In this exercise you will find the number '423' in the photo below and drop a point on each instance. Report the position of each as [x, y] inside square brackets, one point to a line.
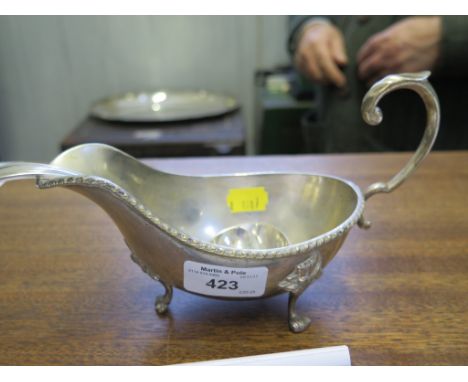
[222, 284]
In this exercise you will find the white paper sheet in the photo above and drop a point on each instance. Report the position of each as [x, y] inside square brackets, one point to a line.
[329, 356]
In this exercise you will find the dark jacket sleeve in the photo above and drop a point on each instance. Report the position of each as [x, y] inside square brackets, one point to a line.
[295, 24]
[454, 47]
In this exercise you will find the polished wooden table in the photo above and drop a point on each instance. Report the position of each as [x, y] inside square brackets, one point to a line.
[395, 294]
[215, 136]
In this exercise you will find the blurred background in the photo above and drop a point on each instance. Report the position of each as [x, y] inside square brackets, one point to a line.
[232, 85]
[52, 68]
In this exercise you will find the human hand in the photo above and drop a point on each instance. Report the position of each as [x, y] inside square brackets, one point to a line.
[320, 53]
[411, 45]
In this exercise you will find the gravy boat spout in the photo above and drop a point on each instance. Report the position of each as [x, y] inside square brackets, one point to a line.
[240, 236]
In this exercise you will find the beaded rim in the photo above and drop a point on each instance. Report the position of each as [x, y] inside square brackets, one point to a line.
[131, 201]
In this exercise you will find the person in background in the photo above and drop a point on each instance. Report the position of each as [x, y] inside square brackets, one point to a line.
[345, 55]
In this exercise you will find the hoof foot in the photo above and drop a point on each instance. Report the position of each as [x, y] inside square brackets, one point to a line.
[162, 302]
[363, 223]
[161, 306]
[299, 324]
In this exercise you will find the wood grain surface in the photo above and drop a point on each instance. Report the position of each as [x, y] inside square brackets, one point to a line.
[395, 294]
[220, 135]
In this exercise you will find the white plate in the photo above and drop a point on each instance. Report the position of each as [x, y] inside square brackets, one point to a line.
[163, 106]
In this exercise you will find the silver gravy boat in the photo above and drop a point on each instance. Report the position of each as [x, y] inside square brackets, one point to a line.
[239, 236]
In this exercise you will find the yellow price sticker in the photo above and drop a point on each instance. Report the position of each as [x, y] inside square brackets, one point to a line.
[247, 199]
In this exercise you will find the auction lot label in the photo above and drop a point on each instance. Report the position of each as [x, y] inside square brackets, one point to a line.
[214, 280]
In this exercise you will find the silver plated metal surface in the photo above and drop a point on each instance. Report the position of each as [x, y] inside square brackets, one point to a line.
[163, 106]
[282, 237]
